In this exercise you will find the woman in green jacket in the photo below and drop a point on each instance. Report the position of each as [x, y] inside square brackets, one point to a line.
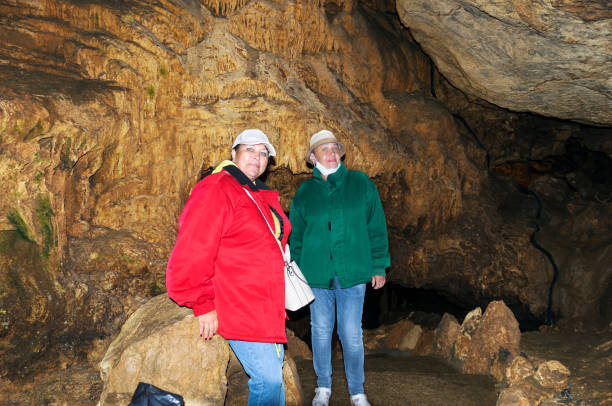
[339, 240]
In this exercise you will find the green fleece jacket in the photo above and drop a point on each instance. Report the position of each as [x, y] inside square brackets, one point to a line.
[339, 228]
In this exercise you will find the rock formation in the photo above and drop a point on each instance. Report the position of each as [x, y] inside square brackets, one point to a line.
[548, 57]
[110, 112]
[159, 345]
[483, 344]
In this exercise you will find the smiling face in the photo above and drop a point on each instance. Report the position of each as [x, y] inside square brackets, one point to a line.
[251, 159]
[327, 154]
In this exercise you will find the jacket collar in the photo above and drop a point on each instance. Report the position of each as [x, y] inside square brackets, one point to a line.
[335, 178]
[244, 180]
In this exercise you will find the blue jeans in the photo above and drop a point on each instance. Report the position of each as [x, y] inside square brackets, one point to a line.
[263, 363]
[349, 305]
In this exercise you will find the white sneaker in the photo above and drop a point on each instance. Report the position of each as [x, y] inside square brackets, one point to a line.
[321, 397]
[360, 400]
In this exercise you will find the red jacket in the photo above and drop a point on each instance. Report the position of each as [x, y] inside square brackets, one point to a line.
[226, 258]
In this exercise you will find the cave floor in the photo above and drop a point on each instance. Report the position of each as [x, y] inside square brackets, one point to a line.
[391, 379]
[588, 355]
[406, 380]
[395, 379]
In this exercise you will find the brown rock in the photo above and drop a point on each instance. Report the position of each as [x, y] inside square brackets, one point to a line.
[512, 397]
[397, 332]
[471, 321]
[445, 336]
[159, 344]
[533, 391]
[519, 369]
[425, 344]
[552, 374]
[497, 334]
[296, 347]
[462, 346]
[411, 339]
[374, 339]
[294, 394]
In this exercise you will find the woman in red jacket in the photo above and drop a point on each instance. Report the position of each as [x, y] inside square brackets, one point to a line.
[227, 266]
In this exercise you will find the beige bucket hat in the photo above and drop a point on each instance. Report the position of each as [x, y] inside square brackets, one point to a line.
[323, 137]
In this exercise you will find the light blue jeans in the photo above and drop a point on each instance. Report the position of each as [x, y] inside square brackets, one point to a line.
[349, 305]
[263, 363]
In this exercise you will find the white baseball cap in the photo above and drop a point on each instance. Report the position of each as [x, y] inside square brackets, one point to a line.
[254, 136]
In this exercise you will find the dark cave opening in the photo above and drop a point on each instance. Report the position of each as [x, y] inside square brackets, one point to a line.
[424, 307]
[427, 306]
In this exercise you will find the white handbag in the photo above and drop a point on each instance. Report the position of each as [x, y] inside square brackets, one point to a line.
[297, 291]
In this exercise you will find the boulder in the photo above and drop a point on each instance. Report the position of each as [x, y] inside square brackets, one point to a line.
[520, 368]
[497, 334]
[471, 321]
[411, 338]
[512, 397]
[445, 336]
[425, 344]
[397, 332]
[296, 347]
[552, 374]
[159, 344]
[462, 346]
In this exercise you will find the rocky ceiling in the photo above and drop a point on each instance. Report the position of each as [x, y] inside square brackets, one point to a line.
[110, 112]
[548, 57]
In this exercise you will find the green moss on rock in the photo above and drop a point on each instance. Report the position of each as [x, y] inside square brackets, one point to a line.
[45, 213]
[20, 225]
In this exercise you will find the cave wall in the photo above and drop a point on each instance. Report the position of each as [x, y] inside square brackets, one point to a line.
[111, 111]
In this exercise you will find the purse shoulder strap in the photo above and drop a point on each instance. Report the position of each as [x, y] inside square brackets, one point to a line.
[267, 223]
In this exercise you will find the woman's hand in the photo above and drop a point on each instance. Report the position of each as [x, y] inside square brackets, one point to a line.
[208, 324]
[378, 281]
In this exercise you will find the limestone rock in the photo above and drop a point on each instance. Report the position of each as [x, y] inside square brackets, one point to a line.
[519, 369]
[296, 347]
[471, 321]
[462, 346]
[497, 334]
[445, 335]
[294, 394]
[512, 397]
[159, 344]
[411, 339]
[425, 344]
[552, 374]
[530, 389]
[374, 339]
[536, 56]
[396, 333]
